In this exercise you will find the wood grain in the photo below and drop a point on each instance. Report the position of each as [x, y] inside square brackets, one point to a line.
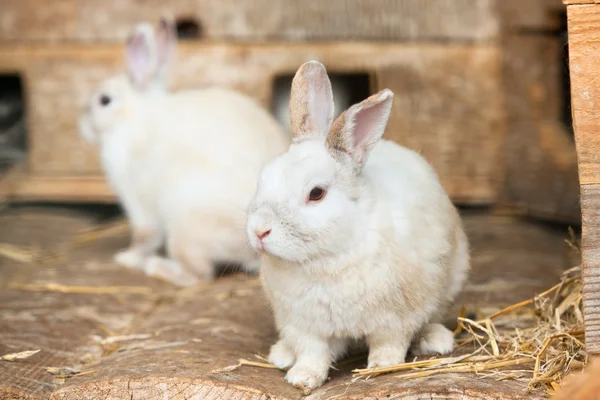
[438, 92]
[584, 51]
[76, 189]
[385, 20]
[590, 204]
[111, 20]
[569, 2]
[196, 331]
[529, 15]
[541, 161]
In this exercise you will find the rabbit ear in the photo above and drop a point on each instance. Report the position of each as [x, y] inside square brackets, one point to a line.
[359, 128]
[311, 102]
[166, 40]
[141, 56]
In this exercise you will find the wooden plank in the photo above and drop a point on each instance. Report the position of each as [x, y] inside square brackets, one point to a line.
[590, 204]
[541, 161]
[584, 52]
[439, 113]
[530, 15]
[215, 325]
[570, 2]
[61, 325]
[76, 189]
[111, 20]
[190, 333]
[35, 21]
[61, 77]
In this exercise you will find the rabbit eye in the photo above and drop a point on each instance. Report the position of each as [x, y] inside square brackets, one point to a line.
[104, 100]
[316, 194]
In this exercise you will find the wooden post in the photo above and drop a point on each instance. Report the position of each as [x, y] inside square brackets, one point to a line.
[584, 53]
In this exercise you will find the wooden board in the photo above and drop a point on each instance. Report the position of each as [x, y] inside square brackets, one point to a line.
[111, 20]
[541, 162]
[568, 2]
[193, 332]
[75, 189]
[439, 90]
[529, 15]
[584, 52]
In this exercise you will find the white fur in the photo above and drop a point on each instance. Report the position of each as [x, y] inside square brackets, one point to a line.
[184, 166]
[380, 257]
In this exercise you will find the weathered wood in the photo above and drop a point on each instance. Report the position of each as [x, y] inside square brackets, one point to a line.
[584, 52]
[439, 114]
[193, 332]
[541, 162]
[111, 20]
[76, 189]
[58, 324]
[590, 204]
[439, 90]
[529, 15]
[569, 2]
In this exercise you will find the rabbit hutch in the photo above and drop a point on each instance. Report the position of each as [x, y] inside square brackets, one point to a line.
[481, 90]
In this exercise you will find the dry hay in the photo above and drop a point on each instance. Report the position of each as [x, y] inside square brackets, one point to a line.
[537, 341]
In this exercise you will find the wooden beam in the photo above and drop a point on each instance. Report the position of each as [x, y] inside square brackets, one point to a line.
[584, 52]
[95, 21]
[437, 109]
[20, 186]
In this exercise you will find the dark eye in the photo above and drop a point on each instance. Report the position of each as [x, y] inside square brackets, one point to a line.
[316, 194]
[104, 100]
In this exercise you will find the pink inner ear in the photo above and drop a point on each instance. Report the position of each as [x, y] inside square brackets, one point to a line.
[138, 58]
[369, 124]
[320, 103]
[165, 38]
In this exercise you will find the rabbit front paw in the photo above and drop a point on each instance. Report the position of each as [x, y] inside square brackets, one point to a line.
[170, 271]
[385, 359]
[435, 339]
[130, 258]
[281, 356]
[306, 377]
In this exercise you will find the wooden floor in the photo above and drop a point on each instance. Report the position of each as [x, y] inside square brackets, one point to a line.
[182, 338]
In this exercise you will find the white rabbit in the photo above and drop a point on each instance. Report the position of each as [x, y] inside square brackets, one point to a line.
[353, 249]
[183, 164]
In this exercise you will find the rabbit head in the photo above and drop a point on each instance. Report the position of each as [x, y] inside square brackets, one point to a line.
[310, 201]
[148, 52]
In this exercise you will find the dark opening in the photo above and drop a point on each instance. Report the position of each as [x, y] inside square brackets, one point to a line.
[348, 89]
[567, 117]
[188, 28]
[13, 138]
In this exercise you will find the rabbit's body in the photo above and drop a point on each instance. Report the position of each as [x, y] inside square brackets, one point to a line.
[190, 174]
[184, 166]
[407, 228]
[354, 247]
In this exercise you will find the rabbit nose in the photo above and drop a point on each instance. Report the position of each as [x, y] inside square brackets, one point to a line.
[262, 233]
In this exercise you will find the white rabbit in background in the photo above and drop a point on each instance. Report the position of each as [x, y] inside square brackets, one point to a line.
[358, 238]
[183, 164]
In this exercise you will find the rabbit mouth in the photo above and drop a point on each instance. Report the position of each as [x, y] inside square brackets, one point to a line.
[260, 247]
